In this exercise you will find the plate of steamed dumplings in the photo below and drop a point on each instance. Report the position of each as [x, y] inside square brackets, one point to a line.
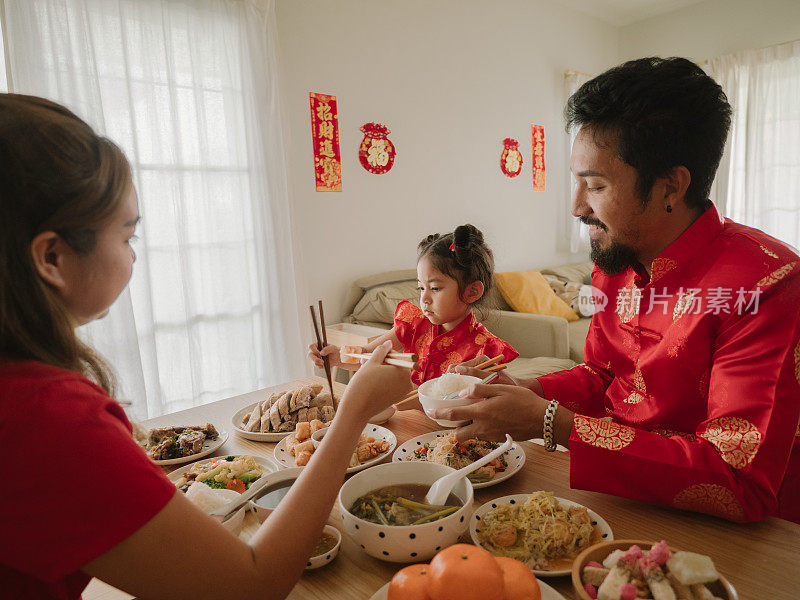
[277, 416]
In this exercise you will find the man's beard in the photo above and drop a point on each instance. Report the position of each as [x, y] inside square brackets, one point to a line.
[615, 259]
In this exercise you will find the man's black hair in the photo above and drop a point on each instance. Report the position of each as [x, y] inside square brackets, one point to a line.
[660, 113]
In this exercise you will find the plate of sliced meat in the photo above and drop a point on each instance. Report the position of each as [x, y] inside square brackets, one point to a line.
[181, 444]
[277, 415]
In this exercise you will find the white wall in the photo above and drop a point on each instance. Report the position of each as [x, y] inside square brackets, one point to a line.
[713, 28]
[451, 79]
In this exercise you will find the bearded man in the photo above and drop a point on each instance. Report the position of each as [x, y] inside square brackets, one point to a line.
[689, 394]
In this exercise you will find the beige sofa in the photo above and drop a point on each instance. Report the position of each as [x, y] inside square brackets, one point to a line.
[545, 343]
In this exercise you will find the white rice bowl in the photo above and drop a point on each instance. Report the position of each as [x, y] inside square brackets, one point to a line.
[207, 499]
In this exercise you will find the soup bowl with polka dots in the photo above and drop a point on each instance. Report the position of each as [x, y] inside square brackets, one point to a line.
[403, 543]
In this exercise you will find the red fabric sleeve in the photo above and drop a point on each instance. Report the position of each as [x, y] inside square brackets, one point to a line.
[734, 463]
[582, 388]
[495, 346]
[405, 316]
[77, 483]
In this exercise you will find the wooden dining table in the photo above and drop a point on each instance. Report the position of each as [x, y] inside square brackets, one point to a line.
[761, 560]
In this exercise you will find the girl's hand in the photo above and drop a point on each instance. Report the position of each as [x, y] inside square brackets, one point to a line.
[376, 386]
[468, 368]
[331, 351]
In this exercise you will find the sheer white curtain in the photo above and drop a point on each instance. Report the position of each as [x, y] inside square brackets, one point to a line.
[189, 91]
[575, 232]
[758, 182]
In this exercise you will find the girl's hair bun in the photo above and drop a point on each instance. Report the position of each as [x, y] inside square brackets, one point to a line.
[427, 241]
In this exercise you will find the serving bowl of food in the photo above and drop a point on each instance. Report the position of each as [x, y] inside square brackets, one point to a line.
[326, 549]
[384, 512]
[622, 568]
[275, 489]
[544, 532]
[432, 394]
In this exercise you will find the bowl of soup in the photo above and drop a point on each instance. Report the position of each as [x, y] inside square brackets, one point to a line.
[275, 489]
[432, 393]
[383, 511]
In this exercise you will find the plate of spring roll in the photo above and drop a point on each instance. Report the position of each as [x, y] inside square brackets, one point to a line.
[441, 447]
[277, 415]
[296, 450]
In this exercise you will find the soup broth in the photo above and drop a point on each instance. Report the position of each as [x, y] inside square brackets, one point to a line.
[274, 495]
[325, 544]
[402, 505]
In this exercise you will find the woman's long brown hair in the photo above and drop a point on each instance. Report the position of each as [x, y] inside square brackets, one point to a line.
[56, 174]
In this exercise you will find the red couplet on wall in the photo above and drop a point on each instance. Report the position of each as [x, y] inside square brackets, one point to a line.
[325, 141]
[537, 135]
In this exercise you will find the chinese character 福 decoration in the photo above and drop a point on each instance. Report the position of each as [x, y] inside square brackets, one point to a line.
[376, 151]
[511, 158]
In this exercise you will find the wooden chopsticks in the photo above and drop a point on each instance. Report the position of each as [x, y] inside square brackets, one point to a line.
[321, 343]
[489, 366]
[406, 360]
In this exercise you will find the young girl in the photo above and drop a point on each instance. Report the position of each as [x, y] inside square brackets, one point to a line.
[454, 272]
[85, 500]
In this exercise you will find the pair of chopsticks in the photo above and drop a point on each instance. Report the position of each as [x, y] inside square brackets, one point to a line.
[406, 360]
[490, 366]
[321, 343]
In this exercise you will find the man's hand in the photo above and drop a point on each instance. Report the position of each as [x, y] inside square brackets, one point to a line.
[499, 409]
[468, 368]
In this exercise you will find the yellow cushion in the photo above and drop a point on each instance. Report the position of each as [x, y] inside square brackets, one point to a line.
[529, 292]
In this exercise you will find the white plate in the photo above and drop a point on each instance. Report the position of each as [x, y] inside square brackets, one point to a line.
[474, 523]
[548, 593]
[383, 416]
[284, 459]
[515, 457]
[236, 422]
[265, 463]
[209, 447]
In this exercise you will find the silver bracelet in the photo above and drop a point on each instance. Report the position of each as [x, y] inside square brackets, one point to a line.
[549, 415]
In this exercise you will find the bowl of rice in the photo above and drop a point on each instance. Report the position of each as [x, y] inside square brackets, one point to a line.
[432, 393]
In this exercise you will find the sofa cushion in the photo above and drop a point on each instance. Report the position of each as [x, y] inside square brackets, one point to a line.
[529, 292]
[578, 330]
[578, 272]
[529, 368]
[378, 303]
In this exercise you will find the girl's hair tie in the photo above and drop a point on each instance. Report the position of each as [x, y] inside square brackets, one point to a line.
[452, 246]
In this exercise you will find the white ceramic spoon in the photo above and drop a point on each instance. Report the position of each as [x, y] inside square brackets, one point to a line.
[442, 486]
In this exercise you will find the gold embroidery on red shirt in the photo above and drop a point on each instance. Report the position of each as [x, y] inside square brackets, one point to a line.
[638, 379]
[703, 383]
[423, 342]
[480, 339]
[603, 434]
[451, 359]
[660, 267]
[588, 368]
[445, 343]
[797, 362]
[633, 398]
[769, 252]
[737, 440]
[683, 304]
[711, 499]
[776, 275]
[407, 313]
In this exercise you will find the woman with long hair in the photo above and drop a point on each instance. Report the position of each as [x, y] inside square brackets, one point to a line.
[81, 498]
